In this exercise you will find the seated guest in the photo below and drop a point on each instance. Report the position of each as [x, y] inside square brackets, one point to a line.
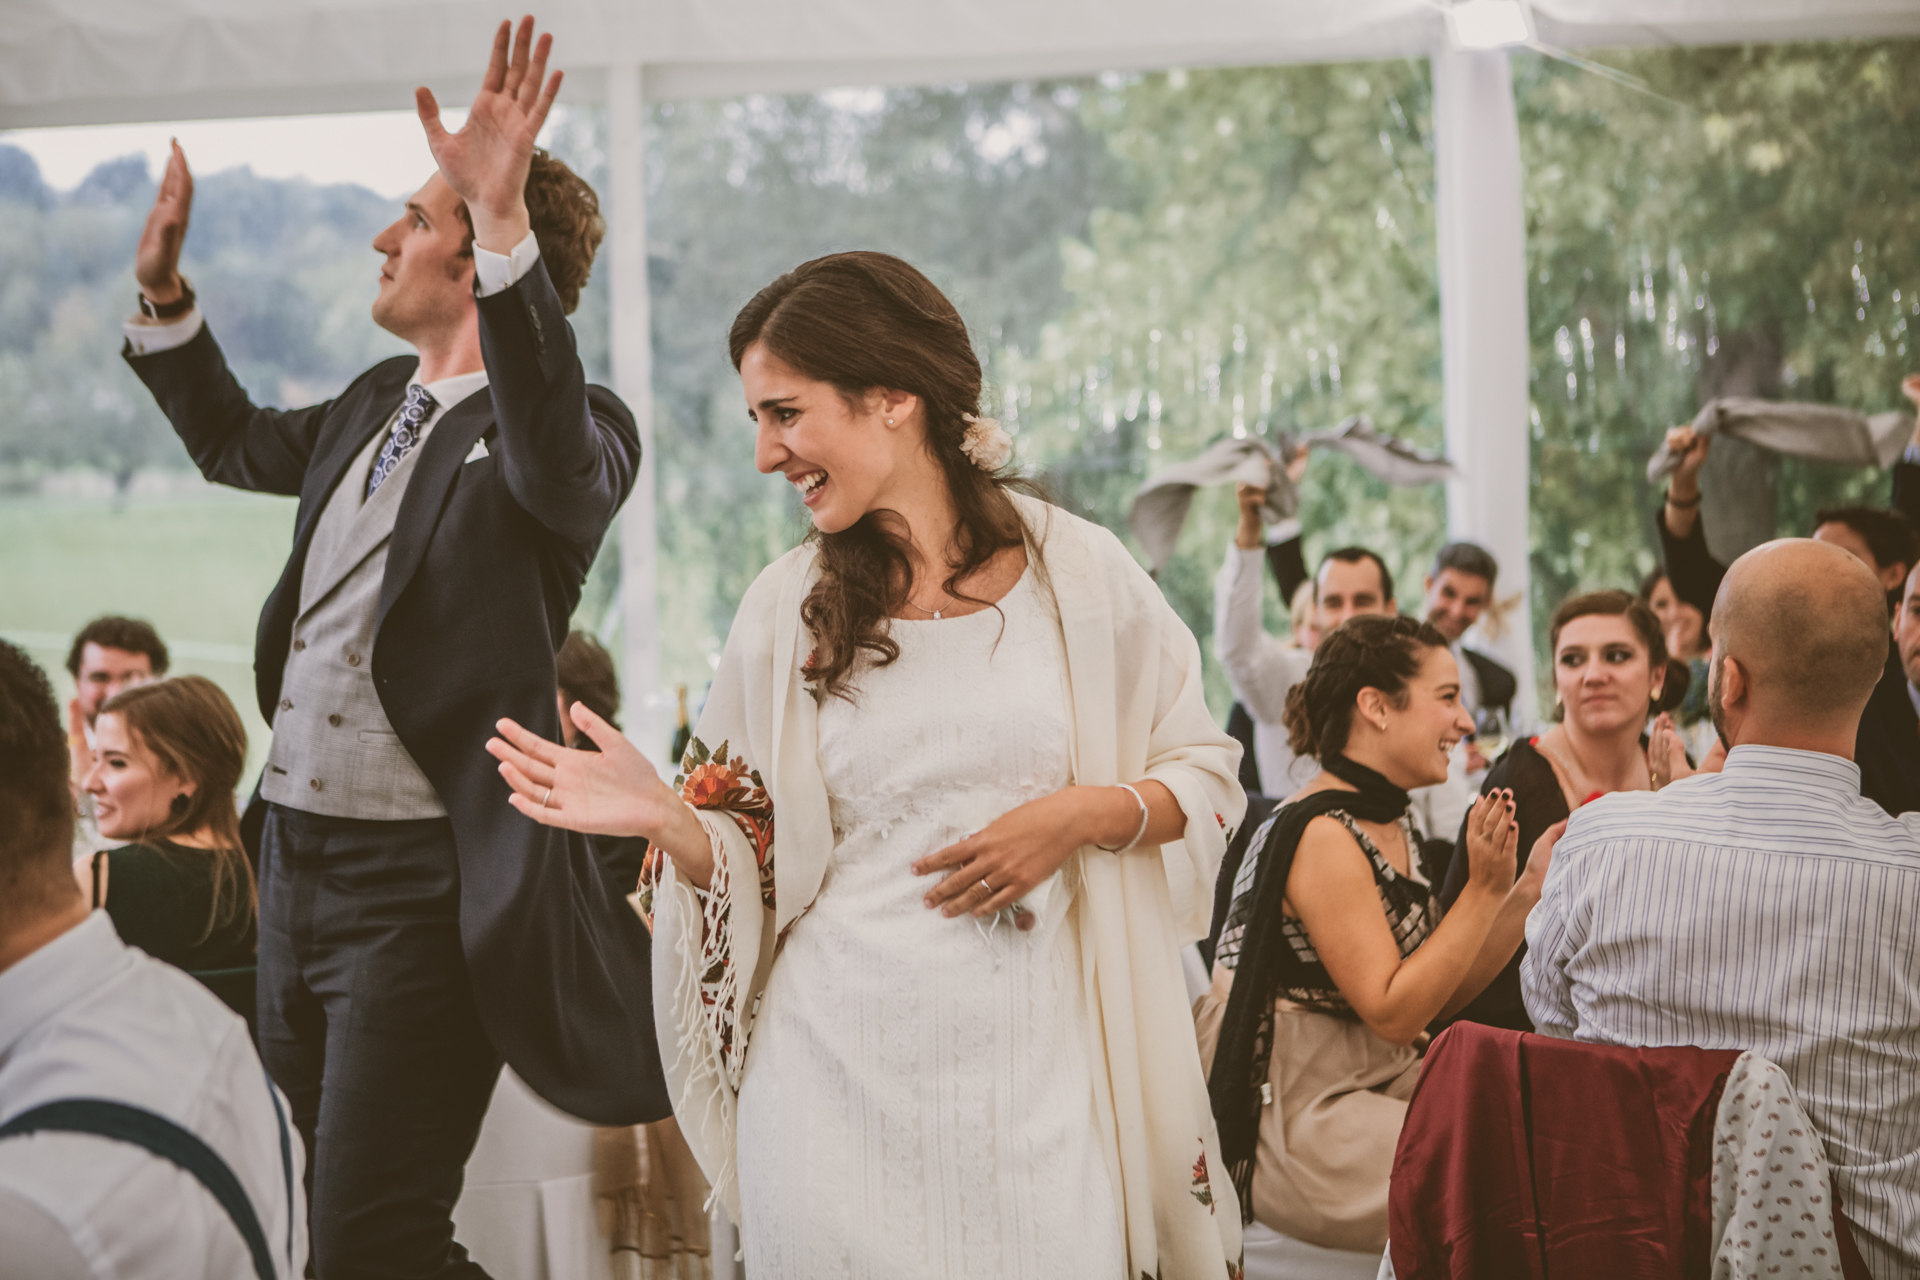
[1332, 957]
[170, 755]
[1459, 589]
[1609, 672]
[1262, 669]
[1685, 628]
[1769, 906]
[1882, 540]
[108, 655]
[83, 1016]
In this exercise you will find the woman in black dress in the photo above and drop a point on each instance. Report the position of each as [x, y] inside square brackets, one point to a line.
[167, 758]
[1610, 672]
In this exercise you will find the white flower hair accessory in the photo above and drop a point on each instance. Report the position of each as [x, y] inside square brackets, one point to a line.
[986, 442]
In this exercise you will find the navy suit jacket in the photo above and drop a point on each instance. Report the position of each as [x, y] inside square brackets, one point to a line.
[485, 567]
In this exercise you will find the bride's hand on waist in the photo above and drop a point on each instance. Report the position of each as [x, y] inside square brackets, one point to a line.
[614, 791]
[995, 867]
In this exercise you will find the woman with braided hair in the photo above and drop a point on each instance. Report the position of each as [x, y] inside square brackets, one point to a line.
[1332, 954]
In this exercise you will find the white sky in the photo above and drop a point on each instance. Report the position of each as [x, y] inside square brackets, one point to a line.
[383, 150]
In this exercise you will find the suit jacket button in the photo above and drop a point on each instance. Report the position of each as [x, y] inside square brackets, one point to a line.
[314, 783]
[353, 659]
[286, 704]
[299, 645]
[334, 719]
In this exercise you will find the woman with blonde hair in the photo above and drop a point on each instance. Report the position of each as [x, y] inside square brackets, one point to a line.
[953, 806]
[167, 758]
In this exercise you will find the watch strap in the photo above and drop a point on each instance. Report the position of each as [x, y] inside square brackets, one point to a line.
[169, 310]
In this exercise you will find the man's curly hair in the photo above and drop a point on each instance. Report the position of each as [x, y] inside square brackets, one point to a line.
[565, 215]
[566, 219]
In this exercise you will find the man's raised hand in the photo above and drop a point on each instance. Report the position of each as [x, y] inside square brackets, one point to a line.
[486, 162]
[156, 264]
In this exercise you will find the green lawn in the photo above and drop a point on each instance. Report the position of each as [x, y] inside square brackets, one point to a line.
[197, 567]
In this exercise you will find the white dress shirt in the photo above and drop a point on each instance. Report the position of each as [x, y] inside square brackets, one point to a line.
[1766, 907]
[1260, 668]
[87, 1016]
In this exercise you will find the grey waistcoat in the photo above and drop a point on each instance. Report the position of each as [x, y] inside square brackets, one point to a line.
[334, 751]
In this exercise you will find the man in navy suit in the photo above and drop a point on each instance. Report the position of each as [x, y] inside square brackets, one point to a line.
[414, 929]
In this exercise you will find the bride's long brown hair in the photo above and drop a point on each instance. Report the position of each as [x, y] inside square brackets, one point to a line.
[861, 321]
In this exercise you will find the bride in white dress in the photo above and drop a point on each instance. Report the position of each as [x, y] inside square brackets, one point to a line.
[937, 1027]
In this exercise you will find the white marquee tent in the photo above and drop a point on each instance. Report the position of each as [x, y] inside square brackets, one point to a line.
[66, 62]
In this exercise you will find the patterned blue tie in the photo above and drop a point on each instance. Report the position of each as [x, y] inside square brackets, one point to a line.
[406, 434]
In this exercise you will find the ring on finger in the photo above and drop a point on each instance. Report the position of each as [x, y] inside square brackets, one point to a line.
[986, 886]
[545, 798]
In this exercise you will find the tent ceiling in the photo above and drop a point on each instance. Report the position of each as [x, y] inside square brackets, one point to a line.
[105, 61]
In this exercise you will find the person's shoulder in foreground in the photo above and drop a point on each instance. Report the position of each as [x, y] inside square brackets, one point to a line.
[83, 1016]
[87, 1016]
[1765, 798]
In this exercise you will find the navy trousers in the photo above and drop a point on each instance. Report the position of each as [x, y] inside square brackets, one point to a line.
[367, 1022]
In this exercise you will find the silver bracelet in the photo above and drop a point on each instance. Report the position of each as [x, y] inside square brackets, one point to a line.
[1144, 815]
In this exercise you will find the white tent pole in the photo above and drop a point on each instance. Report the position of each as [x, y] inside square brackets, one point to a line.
[630, 345]
[1483, 328]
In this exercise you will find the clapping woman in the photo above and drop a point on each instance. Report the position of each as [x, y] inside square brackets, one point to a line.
[1610, 673]
[1333, 955]
[953, 805]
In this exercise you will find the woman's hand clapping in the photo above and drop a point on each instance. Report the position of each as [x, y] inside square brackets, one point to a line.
[1666, 753]
[1493, 836]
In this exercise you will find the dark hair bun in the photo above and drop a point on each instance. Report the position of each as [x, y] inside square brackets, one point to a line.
[1368, 652]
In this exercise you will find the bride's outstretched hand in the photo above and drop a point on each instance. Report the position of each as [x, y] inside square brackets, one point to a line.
[614, 791]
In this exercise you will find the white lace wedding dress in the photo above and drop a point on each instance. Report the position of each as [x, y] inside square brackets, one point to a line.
[917, 1100]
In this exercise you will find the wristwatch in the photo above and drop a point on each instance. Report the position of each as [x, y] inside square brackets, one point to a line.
[170, 310]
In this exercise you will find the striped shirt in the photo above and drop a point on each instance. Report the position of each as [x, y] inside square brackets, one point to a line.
[1768, 907]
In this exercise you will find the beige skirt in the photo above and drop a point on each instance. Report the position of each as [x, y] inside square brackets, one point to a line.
[1327, 1139]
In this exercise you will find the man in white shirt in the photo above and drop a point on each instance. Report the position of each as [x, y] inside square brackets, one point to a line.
[83, 1016]
[1263, 670]
[1767, 907]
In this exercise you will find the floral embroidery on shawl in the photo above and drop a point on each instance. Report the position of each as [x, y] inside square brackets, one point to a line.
[709, 780]
[1202, 1185]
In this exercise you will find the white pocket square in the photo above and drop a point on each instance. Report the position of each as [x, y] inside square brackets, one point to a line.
[478, 451]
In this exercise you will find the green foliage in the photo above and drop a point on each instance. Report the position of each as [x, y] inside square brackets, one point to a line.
[1746, 226]
[1278, 275]
[283, 269]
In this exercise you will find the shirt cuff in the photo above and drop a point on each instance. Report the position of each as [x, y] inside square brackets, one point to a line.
[1285, 531]
[147, 337]
[1912, 454]
[497, 272]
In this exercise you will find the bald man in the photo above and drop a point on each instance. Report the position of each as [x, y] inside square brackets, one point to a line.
[1769, 906]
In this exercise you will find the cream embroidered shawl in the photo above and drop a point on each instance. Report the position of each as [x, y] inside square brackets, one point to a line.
[1137, 712]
